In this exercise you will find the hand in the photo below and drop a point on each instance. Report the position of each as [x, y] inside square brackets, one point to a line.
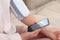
[58, 34]
[48, 33]
[29, 35]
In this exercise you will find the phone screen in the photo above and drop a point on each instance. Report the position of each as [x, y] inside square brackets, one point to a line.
[43, 22]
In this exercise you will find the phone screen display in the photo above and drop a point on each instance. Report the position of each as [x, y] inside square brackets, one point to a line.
[44, 22]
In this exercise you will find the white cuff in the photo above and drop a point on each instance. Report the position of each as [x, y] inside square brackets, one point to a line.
[19, 8]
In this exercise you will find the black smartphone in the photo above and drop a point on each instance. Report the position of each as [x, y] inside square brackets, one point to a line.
[40, 24]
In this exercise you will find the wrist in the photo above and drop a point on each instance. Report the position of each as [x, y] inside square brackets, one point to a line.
[29, 20]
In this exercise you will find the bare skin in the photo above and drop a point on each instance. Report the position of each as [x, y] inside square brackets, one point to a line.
[29, 35]
[57, 33]
[29, 20]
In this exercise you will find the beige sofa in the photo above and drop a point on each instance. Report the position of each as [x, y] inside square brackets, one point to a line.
[43, 9]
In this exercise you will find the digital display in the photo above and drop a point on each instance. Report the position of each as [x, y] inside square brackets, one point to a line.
[44, 22]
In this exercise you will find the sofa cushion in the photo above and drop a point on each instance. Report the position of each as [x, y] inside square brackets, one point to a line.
[35, 3]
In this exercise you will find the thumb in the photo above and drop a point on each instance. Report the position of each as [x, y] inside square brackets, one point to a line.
[50, 35]
[53, 36]
[29, 35]
[36, 32]
[57, 34]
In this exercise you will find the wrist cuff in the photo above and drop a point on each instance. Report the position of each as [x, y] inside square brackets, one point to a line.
[19, 9]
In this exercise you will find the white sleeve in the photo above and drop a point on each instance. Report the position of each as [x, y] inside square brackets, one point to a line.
[15, 36]
[19, 9]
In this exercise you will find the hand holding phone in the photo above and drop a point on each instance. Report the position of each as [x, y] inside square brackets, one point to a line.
[40, 24]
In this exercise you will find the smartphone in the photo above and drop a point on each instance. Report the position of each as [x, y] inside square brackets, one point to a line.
[40, 24]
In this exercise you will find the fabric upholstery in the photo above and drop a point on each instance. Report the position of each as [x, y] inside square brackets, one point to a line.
[35, 3]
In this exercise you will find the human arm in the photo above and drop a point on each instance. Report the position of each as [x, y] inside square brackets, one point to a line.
[28, 18]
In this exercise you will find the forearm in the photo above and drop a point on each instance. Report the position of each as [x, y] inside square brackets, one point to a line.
[22, 12]
[29, 20]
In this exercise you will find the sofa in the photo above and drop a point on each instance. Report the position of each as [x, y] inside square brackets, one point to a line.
[42, 9]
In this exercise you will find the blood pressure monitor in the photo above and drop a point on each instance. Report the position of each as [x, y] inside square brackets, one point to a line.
[19, 9]
[40, 24]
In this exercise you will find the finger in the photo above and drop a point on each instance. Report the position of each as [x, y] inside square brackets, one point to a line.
[57, 33]
[58, 37]
[36, 32]
[50, 35]
[53, 36]
[29, 35]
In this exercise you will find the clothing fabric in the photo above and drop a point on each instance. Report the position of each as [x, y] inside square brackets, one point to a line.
[7, 30]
